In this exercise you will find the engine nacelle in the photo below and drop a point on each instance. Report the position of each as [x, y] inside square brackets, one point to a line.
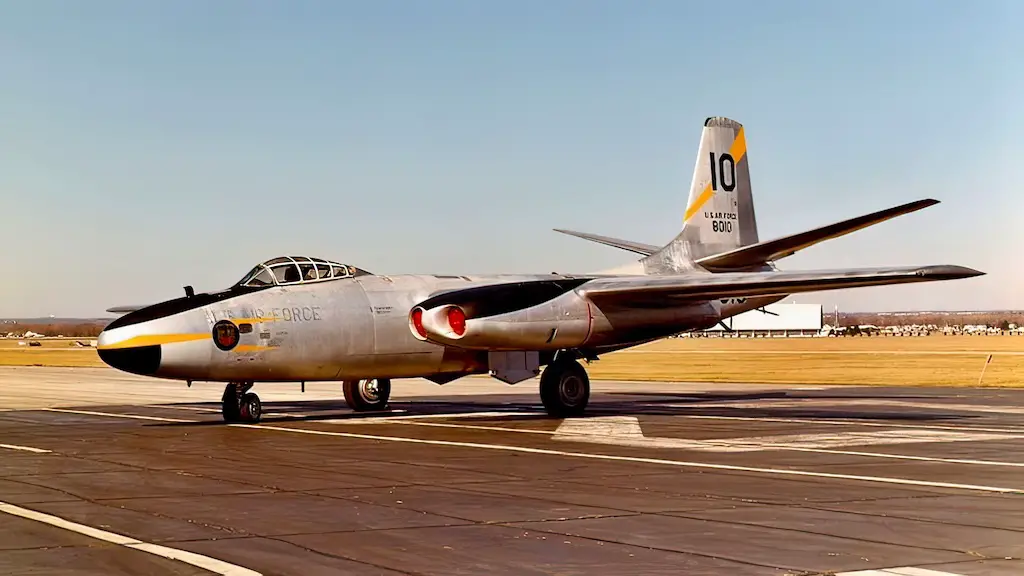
[560, 323]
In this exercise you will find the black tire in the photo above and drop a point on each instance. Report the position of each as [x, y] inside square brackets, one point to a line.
[250, 409]
[229, 404]
[367, 395]
[565, 389]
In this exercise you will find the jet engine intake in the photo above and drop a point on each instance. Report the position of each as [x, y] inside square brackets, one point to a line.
[563, 322]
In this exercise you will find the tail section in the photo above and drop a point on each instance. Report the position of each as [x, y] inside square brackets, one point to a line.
[720, 212]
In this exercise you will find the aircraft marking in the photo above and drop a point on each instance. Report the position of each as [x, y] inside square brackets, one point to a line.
[258, 315]
[736, 153]
[155, 340]
[198, 560]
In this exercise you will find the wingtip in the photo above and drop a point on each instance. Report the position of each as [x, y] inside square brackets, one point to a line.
[950, 272]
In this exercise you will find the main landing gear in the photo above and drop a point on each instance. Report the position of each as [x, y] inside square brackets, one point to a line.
[564, 388]
[367, 395]
[239, 405]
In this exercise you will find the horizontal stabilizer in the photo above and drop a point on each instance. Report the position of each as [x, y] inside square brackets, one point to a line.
[757, 254]
[124, 309]
[749, 284]
[638, 247]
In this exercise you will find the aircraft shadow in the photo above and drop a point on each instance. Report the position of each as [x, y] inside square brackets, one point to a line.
[665, 406]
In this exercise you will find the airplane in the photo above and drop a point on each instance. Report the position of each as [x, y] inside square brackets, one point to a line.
[298, 319]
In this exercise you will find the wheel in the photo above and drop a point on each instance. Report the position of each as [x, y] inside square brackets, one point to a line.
[250, 408]
[565, 389]
[365, 395]
[229, 403]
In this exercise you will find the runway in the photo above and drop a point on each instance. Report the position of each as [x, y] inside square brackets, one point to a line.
[110, 474]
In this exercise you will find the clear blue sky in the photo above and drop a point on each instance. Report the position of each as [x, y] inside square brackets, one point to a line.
[145, 145]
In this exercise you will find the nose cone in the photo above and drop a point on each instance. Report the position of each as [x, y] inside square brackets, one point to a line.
[142, 360]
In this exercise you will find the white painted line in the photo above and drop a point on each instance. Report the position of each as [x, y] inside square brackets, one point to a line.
[836, 421]
[909, 457]
[833, 403]
[115, 415]
[204, 562]
[626, 431]
[189, 408]
[790, 448]
[404, 419]
[769, 352]
[25, 448]
[902, 571]
[659, 461]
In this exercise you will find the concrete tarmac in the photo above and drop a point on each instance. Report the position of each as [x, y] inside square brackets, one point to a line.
[102, 473]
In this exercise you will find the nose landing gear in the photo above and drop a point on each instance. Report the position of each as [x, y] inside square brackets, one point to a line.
[239, 405]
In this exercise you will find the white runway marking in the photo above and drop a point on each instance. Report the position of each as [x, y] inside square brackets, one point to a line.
[903, 571]
[659, 461]
[626, 431]
[839, 421]
[831, 352]
[405, 419]
[833, 403]
[115, 415]
[204, 562]
[25, 448]
[791, 448]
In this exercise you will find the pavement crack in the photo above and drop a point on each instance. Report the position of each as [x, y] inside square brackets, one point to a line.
[343, 557]
[643, 546]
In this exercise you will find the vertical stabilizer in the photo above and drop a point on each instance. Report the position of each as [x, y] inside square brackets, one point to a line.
[720, 211]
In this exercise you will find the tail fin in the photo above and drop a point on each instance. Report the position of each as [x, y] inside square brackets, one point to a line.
[720, 212]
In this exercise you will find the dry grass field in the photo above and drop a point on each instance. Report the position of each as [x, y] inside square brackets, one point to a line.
[895, 361]
[910, 361]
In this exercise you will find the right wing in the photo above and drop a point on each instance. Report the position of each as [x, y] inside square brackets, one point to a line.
[756, 254]
[748, 284]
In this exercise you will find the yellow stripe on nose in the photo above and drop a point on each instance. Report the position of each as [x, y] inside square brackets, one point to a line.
[154, 340]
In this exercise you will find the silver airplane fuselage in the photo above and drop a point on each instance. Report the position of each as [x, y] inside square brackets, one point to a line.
[359, 328]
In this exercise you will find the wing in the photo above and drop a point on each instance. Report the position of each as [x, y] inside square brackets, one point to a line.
[755, 254]
[638, 247]
[727, 284]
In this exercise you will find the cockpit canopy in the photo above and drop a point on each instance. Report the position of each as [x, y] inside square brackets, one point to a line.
[288, 270]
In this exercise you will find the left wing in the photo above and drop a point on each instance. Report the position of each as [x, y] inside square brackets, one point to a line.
[723, 285]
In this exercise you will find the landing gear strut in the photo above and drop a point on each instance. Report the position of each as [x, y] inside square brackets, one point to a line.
[239, 405]
[367, 395]
[564, 388]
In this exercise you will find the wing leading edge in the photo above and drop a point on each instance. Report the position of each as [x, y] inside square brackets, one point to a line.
[728, 284]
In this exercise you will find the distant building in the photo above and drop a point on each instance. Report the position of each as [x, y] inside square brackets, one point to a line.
[773, 320]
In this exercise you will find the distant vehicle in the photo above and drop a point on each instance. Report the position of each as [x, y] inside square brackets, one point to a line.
[294, 319]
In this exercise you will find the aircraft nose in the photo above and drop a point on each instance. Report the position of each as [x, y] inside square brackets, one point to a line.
[143, 360]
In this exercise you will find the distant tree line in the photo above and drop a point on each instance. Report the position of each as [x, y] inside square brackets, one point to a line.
[997, 319]
[69, 329]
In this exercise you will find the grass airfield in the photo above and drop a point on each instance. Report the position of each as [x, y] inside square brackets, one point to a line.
[877, 360]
